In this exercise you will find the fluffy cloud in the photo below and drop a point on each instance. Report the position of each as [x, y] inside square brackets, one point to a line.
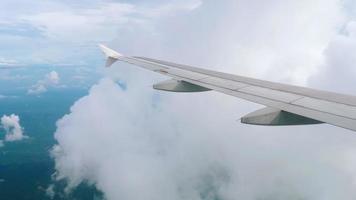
[339, 63]
[160, 161]
[244, 37]
[37, 89]
[51, 79]
[13, 129]
[50, 191]
[136, 143]
[132, 148]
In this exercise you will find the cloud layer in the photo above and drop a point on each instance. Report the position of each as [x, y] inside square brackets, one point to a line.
[131, 148]
[337, 72]
[124, 153]
[30, 36]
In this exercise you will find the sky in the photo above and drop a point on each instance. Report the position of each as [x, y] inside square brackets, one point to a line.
[132, 142]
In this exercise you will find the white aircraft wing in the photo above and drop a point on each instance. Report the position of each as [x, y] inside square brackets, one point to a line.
[285, 104]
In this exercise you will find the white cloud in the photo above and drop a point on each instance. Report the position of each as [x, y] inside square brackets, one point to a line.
[12, 127]
[8, 62]
[190, 147]
[37, 89]
[51, 79]
[50, 191]
[148, 160]
[337, 72]
[243, 37]
[7, 96]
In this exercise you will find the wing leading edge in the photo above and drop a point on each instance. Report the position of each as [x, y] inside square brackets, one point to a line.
[286, 104]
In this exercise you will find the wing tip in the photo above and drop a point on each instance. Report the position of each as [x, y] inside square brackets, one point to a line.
[110, 52]
[111, 55]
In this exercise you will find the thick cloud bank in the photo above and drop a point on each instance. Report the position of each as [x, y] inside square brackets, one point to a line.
[338, 72]
[12, 127]
[131, 148]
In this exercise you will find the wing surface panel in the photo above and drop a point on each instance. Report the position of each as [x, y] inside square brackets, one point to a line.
[332, 108]
[325, 95]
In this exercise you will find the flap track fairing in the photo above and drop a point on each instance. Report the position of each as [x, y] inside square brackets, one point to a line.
[275, 117]
[173, 85]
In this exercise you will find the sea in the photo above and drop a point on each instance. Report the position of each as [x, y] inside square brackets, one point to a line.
[26, 167]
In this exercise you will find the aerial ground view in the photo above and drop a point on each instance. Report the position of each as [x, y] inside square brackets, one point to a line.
[178, 99]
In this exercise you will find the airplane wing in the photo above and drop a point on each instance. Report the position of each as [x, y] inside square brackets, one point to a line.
[285, 104]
